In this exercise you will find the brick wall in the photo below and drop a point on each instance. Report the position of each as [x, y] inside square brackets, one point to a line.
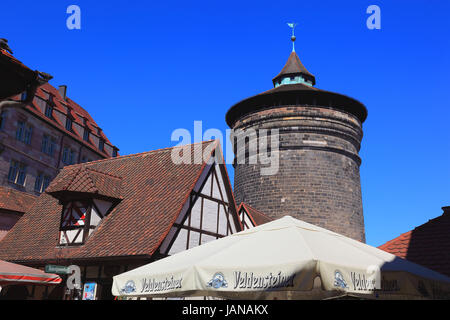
[318, 179]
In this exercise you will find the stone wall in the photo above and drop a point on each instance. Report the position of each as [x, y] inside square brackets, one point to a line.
[318, 178]
[31, 154]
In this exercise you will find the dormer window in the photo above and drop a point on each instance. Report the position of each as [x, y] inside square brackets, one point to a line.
[68, 124]
[49, 111]
[101, 145]
[80, 218]
[87, 196]
[86, 134]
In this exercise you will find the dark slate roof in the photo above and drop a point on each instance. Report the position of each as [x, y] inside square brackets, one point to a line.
[295, 94]
[154, 189]
[294, 67]
[14, 200]
[427, 244]
[257, 216]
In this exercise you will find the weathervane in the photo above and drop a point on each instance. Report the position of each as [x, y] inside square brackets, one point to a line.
[292, 25]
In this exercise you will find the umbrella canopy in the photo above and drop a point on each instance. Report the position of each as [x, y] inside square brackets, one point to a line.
[283, 259]
[11, 273]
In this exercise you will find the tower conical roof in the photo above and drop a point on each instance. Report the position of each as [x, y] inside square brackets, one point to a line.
[293, 68]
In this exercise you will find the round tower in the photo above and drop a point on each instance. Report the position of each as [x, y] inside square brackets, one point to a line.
[320, 134]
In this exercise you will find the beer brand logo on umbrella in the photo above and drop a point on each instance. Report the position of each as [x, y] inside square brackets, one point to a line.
[339, 280]
[218, 281]
[129, 287]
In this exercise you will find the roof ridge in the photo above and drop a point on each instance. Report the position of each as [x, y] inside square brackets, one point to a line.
[388, 243]
[252, 208]
[8, 189]
[141, 153]
[187, 195]
[104, 173]
[86, 170]
[75, 175]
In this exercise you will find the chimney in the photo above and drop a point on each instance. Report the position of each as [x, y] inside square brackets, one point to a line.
[446, 210]
[62, 91]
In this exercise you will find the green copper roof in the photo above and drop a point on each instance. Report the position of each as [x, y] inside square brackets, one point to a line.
[294, 72]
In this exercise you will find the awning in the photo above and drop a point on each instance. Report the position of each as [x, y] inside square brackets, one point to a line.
[283, 259]
[11, 273]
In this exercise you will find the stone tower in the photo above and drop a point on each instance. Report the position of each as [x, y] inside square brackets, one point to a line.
[320, 134]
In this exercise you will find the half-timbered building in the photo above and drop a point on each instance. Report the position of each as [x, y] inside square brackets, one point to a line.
[113, 215]
[250, 217]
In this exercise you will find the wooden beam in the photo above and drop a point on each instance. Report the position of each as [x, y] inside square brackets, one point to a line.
[209, 233]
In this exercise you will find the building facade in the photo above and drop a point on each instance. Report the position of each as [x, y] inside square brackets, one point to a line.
[110, 216]
[41, 131]
[41, 134]
[319, 138]
[250, 217]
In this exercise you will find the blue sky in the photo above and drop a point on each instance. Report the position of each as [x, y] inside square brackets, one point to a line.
[145, 68]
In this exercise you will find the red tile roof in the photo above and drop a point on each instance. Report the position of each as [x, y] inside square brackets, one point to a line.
[76, 112]
[14, 200]
[65, 106]
[257, 216]
[82, 179]
[427, 244]
[154, 190]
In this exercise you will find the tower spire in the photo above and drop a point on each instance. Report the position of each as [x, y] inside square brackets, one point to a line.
[294, 71]
[292, 25]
